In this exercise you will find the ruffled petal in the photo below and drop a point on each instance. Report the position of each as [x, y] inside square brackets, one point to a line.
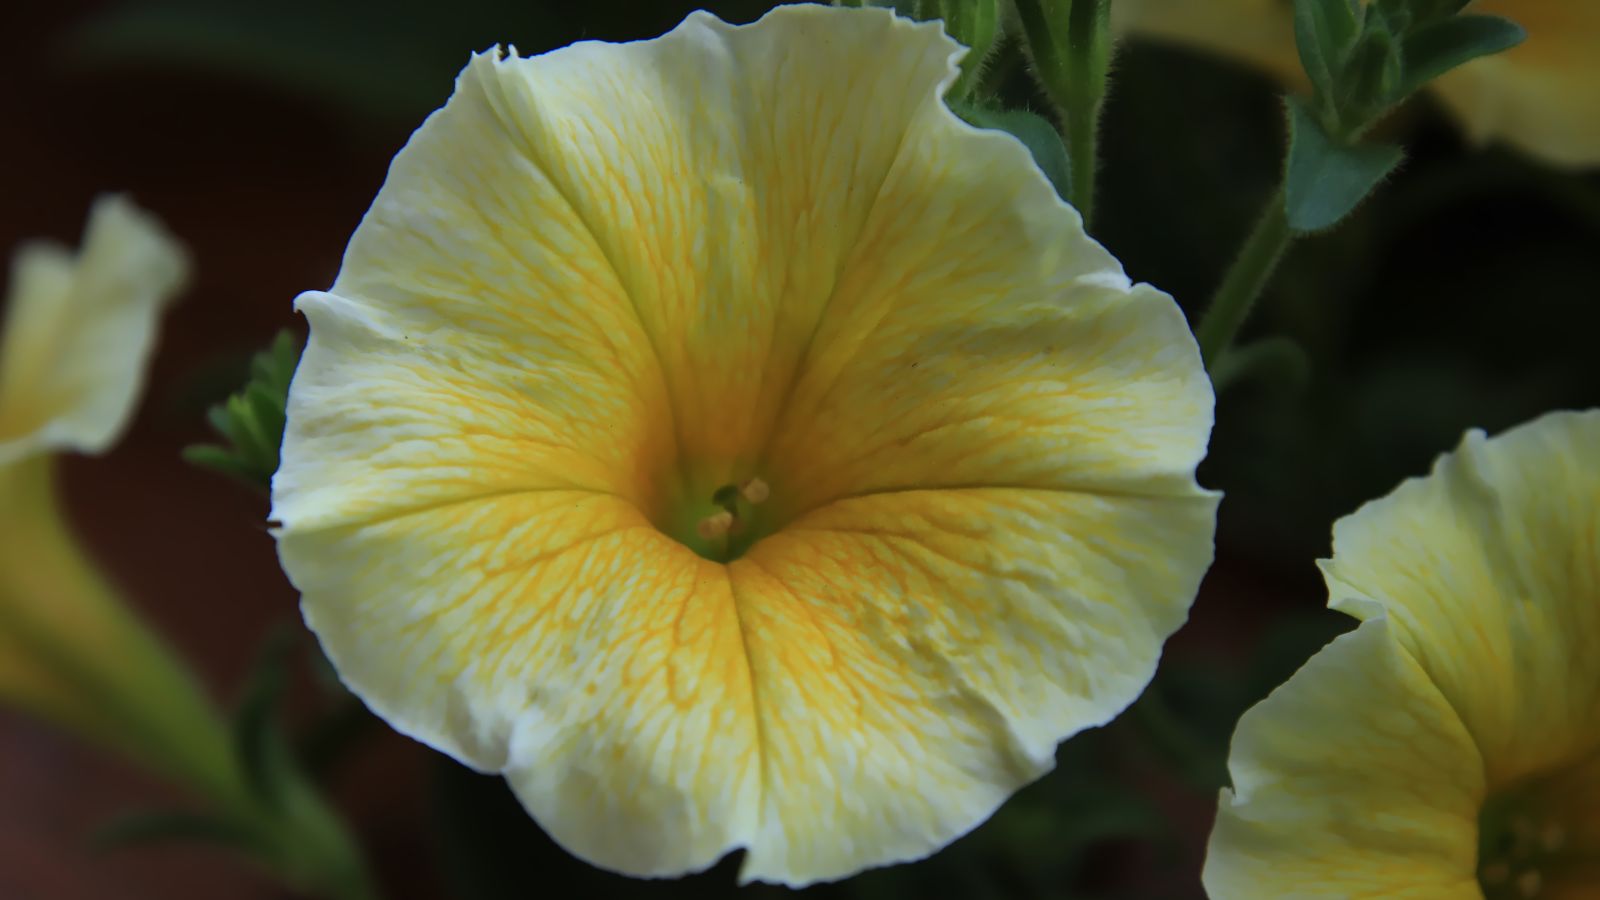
[557, 637]
[605, 279]
[79, 331]
[1257, 32]
[918, 655]
[1355, 779]
[1542, 96]
[1490, 570]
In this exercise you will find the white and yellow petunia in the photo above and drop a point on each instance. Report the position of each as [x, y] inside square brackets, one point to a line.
[79, 330]
[78, 333]
[725, 442]
[1542, 97]
[1450, 745]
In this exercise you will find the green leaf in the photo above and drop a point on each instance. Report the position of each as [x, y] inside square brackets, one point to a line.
[262, 751]
[1432, 50]
[976, 24]
[1034, 131]
[252, 420]
[139, 829]
[1325, 180]
[1370, 77]
[1324, 31]
[1278, 361]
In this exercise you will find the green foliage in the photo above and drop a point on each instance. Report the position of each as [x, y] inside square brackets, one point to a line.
[267, 810]
[252, 420]
[1325, 179]
[1436, 48]
[263, 754]
[1325, 32]
[1278, 362]
[1362, 59]
[1034, 131]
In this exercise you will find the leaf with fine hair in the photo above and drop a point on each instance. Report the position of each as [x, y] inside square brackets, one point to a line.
[1432, 50]
[1325, 30]
[1324, 179]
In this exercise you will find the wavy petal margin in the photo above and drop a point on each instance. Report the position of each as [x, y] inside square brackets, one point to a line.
[80, 329]
[1473, 669]
[607, 277]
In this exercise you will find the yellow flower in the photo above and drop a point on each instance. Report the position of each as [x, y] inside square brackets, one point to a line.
[1542, 96]
[78, 332]
[721, 439]
[1453, 739]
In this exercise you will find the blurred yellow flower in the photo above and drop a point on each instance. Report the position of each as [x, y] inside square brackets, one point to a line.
[721, 439]
[78, 332]
[1451, 743]
[1542, 96]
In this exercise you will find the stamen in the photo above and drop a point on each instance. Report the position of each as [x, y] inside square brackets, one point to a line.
[717, 525]
[1553, 838]
[755, 490]
[1496, 873]
[1529, 882]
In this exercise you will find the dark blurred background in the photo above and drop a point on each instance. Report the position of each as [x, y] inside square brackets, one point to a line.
[1467, 294]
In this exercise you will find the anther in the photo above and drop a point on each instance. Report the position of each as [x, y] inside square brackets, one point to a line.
[1529, 882]
[1552, 838]
[1496, 873]
[755, 490]
[716, 525]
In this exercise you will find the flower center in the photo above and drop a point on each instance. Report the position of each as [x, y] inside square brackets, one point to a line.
[727, 523]
[1526, 844]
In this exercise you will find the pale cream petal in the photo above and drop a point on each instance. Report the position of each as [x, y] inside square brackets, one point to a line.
[729, 182]
[1355, 779]
[1257, 32]
[977, 337]
[1490, 570]
[918, 655]
[1542, 96]
[558, 637]
[627, 248]
[79, 331]
[385, 417]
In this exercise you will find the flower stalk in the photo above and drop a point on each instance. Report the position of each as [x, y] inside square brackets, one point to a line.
[1070, 44]
[78, 656]
[1244, 281]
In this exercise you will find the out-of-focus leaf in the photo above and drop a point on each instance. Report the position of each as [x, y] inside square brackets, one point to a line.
[259, 743]
[1276, 361]
[253, 419]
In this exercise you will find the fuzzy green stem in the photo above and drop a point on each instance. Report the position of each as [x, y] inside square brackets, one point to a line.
[1070, 43]
[1244, 282]
[1089, 35]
